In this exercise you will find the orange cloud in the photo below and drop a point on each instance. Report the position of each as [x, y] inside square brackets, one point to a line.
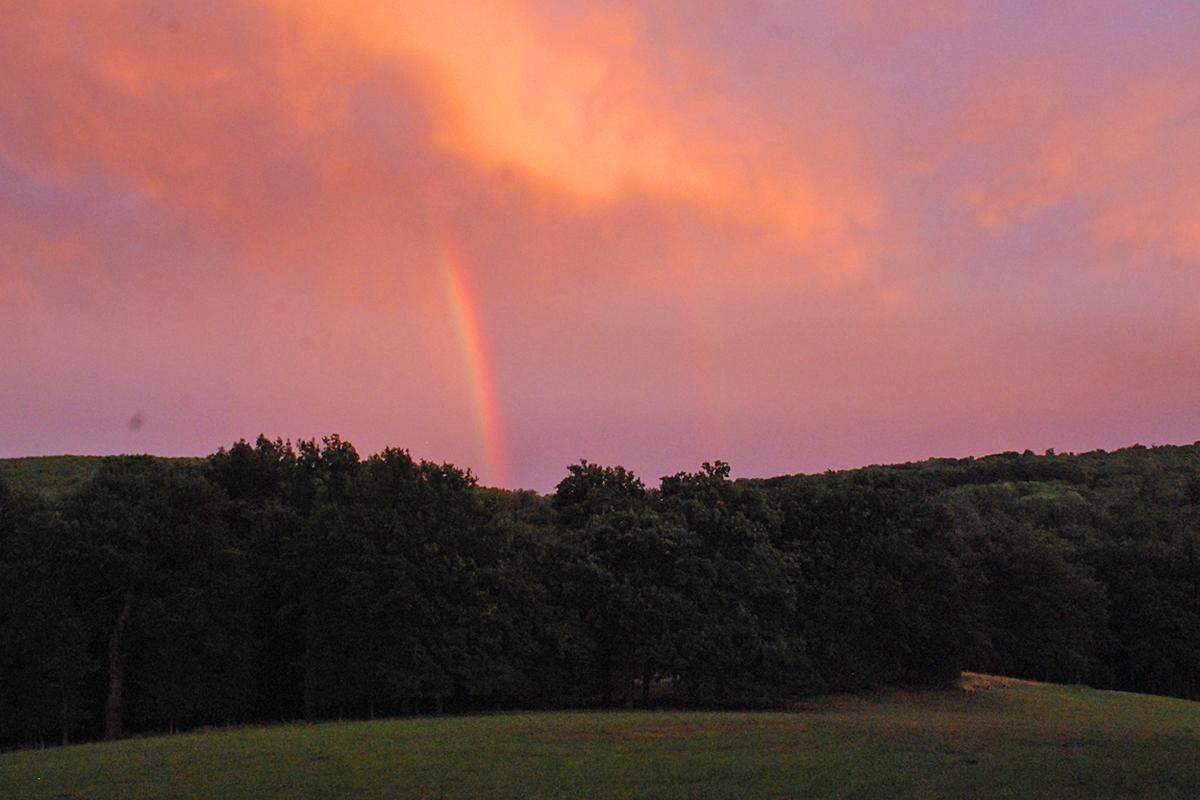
[211, 113]
[571, 107]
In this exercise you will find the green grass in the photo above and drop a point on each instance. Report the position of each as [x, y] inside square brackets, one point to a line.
[1022, 741]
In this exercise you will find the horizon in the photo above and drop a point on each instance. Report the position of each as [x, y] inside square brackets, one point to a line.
[507, 233]
[735, 474]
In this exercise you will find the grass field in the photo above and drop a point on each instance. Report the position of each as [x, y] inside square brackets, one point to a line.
[1015, 741]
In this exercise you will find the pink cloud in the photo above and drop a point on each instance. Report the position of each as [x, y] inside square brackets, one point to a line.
[791, 236]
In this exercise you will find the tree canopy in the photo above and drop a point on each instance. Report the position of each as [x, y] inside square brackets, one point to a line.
[274, 581]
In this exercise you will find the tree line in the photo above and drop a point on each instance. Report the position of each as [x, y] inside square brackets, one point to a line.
[279, 582]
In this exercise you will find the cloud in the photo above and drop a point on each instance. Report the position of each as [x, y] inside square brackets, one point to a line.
[250, 107]
[797, 234]
[1121, 150]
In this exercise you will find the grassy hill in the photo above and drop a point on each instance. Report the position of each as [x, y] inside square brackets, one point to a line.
[1000, 739]
[52, 476]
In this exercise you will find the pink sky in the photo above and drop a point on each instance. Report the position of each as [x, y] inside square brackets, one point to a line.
[792, 236]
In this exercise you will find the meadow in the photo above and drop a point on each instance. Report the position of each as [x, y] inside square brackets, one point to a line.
[1009, 740]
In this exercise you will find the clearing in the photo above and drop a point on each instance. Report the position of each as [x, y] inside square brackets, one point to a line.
[997, 738]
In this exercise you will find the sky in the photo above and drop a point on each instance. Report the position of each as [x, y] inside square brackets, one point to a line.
[512, 234]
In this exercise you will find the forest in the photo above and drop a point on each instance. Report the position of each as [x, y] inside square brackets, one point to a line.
[273, 581]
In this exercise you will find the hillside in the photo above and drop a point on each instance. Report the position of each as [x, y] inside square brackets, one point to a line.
[1001, 740]
[52, 476]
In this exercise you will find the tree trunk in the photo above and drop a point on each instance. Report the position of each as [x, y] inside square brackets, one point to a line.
[646, 685]
[116, 673]
[65, 718]
[310, 709]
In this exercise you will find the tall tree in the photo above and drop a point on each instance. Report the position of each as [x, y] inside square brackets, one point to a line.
[139, 530]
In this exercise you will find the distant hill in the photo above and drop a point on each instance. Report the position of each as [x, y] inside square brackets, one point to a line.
[53, 476]
[1046, 475]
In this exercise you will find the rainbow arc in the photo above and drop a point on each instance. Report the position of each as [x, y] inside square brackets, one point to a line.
[464, 305]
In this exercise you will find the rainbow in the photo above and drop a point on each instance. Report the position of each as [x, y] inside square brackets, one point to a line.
[464, 308]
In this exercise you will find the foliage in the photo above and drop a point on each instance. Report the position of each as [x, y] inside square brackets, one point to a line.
[54, 477]
[274, 581]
